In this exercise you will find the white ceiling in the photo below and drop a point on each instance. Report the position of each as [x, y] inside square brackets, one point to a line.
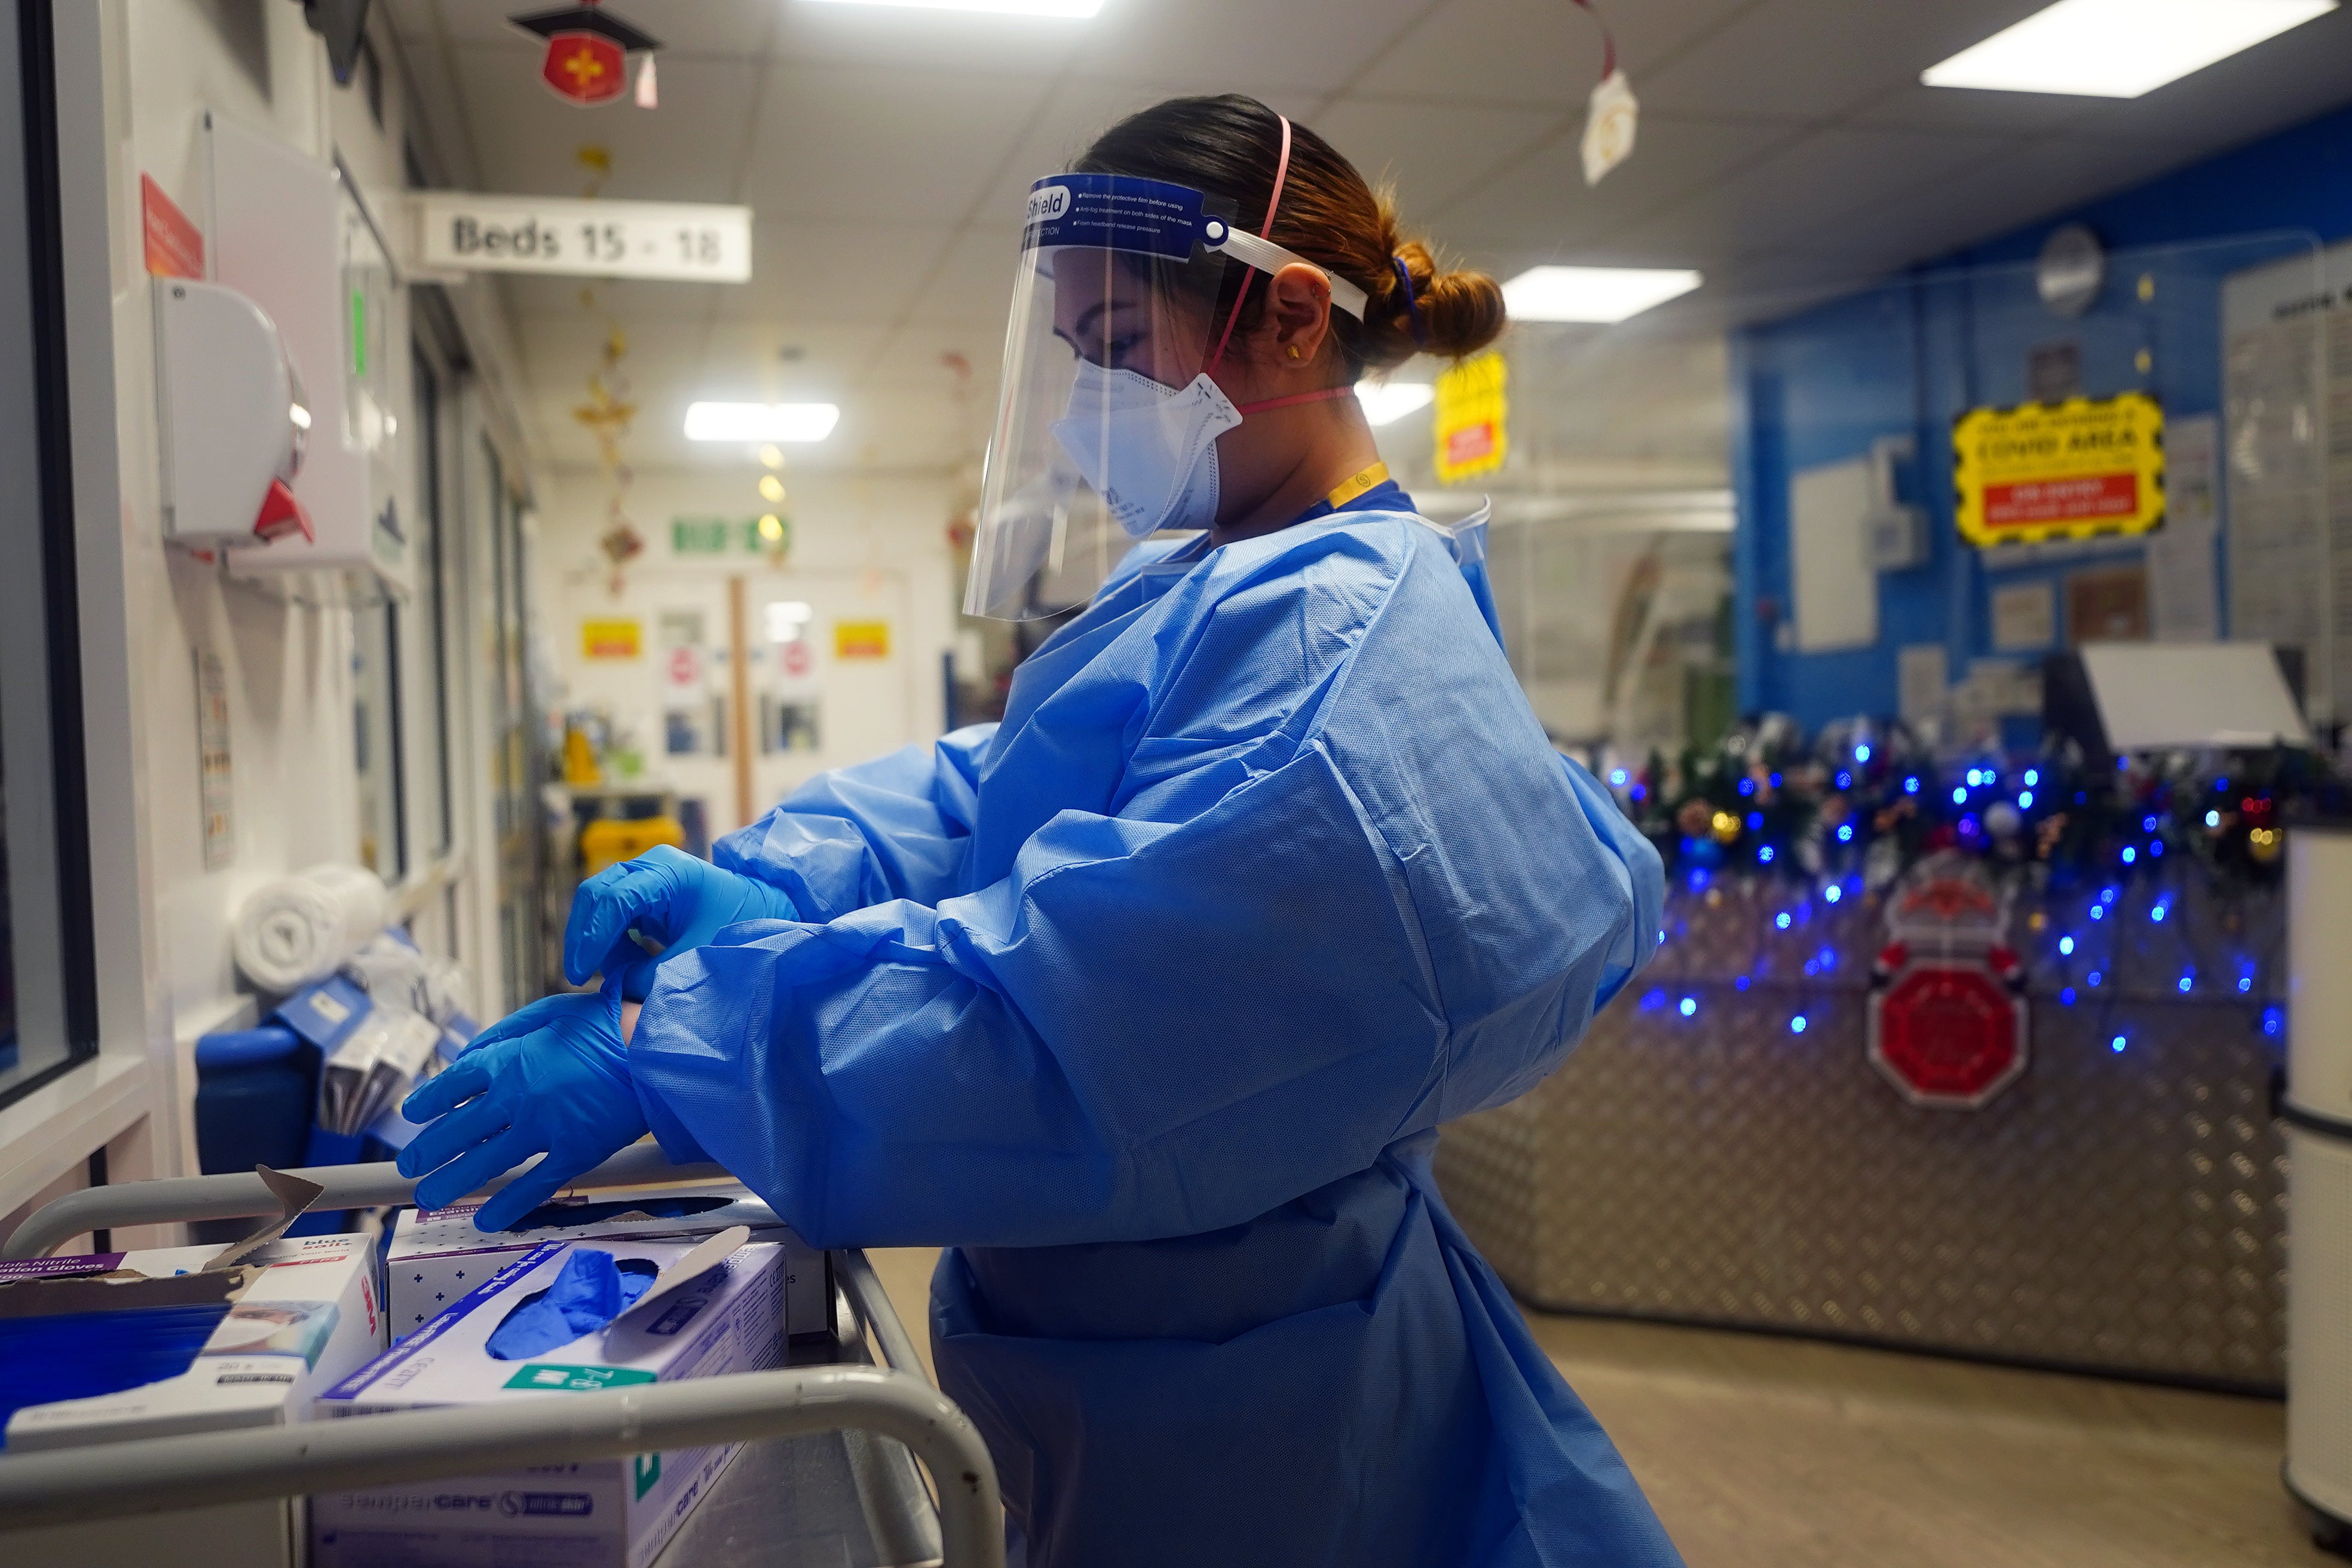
[1785, 145]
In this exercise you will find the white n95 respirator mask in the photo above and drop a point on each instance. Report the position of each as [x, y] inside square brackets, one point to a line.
[1148, 450]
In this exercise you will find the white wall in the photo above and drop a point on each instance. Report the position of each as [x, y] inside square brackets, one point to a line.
[287, 650]
[859, 547]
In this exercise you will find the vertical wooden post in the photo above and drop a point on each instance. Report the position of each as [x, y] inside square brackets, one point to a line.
[739, 666]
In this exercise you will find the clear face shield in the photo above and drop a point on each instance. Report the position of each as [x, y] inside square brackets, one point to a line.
[1107, 421]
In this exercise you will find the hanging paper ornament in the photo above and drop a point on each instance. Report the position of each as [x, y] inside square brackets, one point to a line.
[588, 50]
[1613, 114]
[1948, 1018]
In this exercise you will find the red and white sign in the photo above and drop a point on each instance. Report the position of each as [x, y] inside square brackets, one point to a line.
[584, 68]
[798, 660]
[685, 669]
[2062, 500]
[175, 247]
[1947, 1021]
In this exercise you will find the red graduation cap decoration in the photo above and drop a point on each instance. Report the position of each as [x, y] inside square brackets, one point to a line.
[588, 51]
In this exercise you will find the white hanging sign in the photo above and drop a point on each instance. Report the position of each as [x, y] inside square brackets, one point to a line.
[1609, 126]
[458, 231]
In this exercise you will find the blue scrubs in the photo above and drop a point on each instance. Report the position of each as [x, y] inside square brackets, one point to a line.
[1148, 1003]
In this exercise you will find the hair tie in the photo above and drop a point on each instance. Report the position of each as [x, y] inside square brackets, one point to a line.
[1412, 305]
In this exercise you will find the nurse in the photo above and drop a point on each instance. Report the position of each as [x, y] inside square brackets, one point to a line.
[1148, 1003]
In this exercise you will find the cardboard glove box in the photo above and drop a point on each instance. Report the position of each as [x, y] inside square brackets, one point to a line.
[607, 1513]
[303, 1314]
[436, 1255]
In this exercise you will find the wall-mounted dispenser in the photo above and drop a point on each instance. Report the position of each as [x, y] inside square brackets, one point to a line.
[1894, 532]
[290, 231]
[233, 418]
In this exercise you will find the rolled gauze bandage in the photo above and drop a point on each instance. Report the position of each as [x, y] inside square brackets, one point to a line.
[294, 931]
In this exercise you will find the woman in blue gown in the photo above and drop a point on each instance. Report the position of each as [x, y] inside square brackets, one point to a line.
[1147, 1002]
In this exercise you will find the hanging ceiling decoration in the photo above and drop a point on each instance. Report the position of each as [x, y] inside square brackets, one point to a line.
[588, 50]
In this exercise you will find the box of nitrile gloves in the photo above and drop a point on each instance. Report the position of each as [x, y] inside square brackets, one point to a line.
[436, 1255]
[293, 1317]
[513, 1337]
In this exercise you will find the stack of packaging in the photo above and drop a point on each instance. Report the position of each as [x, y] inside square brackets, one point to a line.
[648, 1285]
[274, 1326]
[553, 1320]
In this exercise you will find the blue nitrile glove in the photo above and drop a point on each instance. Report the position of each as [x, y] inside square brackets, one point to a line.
[672, 898]
[589, 1291]
[552, 1079]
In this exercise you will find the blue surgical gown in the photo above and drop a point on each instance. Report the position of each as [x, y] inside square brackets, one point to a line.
[1148, 1003]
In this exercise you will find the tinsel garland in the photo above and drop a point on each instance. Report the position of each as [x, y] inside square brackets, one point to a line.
[1868, 799]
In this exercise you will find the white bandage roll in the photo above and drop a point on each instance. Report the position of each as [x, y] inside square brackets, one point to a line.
[294, 931]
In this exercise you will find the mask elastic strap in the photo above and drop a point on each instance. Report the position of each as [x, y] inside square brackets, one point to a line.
[1249, 274]
[1326, 396]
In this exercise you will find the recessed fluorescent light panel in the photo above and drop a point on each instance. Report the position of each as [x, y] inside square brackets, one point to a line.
[2118, 48]
[1385, 403]
[1076, 10]
[756, 422]
[1600, 294]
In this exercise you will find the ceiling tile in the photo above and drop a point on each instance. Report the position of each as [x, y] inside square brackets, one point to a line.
[1805, 190]
[529, 139]
[973, 284]
[2297, 76]
[1211, 43]
[1810, 61]
[1428, 151]
[1544, 204]
[976, 46]
[843, 271]
[1079, 109]
[734, 27]
[889, 146]
[1543, 53]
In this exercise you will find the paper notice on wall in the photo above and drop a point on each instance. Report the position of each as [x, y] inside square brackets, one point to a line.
[2183, 600]
[218, 781]
[1922, 675]
[2287, 445]
[1836, 591]
[2024, 616]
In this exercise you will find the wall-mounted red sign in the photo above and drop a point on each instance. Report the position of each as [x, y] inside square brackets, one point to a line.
[175, 246]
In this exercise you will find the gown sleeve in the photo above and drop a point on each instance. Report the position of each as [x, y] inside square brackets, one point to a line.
[1343, 891]
[895, 828]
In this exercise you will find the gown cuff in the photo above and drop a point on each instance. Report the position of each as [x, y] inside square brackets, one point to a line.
[679, 1145]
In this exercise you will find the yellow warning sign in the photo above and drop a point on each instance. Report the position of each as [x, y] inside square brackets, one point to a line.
[611, 639]
[861, 639]
[1473, 409]
[2059, 471]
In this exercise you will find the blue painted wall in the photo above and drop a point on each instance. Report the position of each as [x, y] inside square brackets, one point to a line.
[1909, 357]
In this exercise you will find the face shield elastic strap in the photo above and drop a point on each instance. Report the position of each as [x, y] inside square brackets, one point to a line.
[1261, 255]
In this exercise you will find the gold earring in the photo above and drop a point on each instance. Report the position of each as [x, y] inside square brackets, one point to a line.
[1293, 351]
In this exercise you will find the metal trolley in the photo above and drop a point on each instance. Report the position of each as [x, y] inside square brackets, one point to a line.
[827, 1475]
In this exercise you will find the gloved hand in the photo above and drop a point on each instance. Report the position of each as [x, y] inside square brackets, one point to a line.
[668, 896]
[552, 1079]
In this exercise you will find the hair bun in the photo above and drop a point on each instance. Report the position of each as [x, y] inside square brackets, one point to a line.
[1445, 313]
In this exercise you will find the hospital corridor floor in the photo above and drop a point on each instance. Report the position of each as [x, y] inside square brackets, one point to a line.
[1765, 1453]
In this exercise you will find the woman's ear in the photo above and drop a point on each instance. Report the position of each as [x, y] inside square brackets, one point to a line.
[1298, 314]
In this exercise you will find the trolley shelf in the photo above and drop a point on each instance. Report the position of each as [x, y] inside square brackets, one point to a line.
[872, 1500]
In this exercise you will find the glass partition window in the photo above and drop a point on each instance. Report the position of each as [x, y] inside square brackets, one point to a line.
[48, 989]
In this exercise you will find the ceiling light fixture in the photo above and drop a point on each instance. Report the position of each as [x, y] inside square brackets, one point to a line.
[1386, 402]
[750, 422]
[1594, 294]
[1074, 10]
[2118, 48]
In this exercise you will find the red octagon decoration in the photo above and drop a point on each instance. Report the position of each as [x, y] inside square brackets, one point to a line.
[584, 68]
[1947, 1035]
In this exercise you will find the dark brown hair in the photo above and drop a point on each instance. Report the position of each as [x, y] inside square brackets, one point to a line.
[1228, 147]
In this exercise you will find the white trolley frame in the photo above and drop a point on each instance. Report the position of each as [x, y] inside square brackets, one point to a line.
[156, 1474]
